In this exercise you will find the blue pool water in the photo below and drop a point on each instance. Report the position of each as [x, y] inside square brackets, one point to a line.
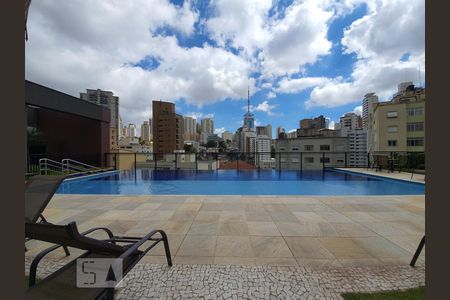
[232, 182]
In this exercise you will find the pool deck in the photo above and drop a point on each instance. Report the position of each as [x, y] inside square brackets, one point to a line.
[418, 178]
[334, 232]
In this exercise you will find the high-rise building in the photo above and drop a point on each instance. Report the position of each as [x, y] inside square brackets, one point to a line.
[145, 132]
[264, 130]
[125, 132]
[367, 109]
[280, 130]
[399, 124]
[227, 136]
[316, 123]
[207, 129]
[167, 128]
[348, 122]
[189, 128]
[132, 130]
[120, 134]
[357, 140]
[106, 99]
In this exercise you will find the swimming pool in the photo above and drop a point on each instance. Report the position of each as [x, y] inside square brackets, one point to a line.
[242, 182]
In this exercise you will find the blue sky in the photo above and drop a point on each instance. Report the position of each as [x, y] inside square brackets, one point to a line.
[300, 58]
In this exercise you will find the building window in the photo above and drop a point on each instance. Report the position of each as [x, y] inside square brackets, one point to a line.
[392, 143]
[325, 160]
[340, 160]
[309, 147]
[414, 126]
[415, 111]
[309, 160]
[392, 114]
[324, 147]
[294, 149]
[282, 148]
[393, 128]
[414, 142]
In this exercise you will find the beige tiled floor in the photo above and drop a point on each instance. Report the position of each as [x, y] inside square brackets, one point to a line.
[238, 230]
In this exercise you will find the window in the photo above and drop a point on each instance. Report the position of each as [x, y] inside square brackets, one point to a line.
[325, 160]
[414, 111]
[393, 128]
[309, 160]
[324, 147]
[414, 126]
[309, 147]
[294, 149]
[340, 160]
[282, 148]
[392, 143]
[392, 114]
[414, 142]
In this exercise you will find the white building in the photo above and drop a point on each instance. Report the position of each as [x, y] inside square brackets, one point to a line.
[226, 135]
[189, 128]
[310, 152]
[348, 122]
[132, 130]
[145, 132]
[357, 140]
[207, 126]
[367, 108]
[262, 146]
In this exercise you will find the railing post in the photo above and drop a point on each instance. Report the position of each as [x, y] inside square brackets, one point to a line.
[154, 160]
[301, 161]
[323, 160]
[176, 161]
[279, 161]
[196, 161]
[135, 160]
[368, 160]
[346, 158]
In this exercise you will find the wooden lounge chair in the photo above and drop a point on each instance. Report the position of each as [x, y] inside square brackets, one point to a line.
[39, 190]
[62, 283]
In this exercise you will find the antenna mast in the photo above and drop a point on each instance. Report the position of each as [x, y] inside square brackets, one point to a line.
[248, 99]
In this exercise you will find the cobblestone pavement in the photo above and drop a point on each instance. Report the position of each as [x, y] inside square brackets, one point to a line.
[157, 281]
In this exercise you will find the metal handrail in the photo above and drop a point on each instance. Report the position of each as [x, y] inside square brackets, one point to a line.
[71, 164]
[46, 164]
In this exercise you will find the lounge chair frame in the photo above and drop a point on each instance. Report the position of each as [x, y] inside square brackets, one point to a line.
[78, 240]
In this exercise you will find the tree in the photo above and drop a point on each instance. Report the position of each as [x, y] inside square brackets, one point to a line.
[211, 144]
[222, 146]
[190, 149]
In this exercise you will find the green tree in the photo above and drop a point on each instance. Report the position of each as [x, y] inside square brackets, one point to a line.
[211, 144]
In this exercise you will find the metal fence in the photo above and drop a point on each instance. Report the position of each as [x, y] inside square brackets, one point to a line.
[300, 160]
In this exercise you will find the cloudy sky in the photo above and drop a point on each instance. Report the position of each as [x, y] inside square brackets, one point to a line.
[299, 58]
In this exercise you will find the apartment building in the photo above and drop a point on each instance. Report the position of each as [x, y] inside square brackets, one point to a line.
[399, 124]
[108, 100]
[189, 129]
[167, 128]
[311, 152]
[145, 132]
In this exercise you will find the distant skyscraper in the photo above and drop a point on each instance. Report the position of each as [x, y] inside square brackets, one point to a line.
[132, 130]
[316, 123]
[106, 99]
[226, 135]
[207, 129]
[264, 130]
[120, 134]
[249, 118]
[189, 128]
[348, 122]
[367, 108]
[168, 128]
[280, 130]
[145, 132]
[125, 132]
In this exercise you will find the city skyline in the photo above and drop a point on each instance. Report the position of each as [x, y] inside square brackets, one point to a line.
[300, 59]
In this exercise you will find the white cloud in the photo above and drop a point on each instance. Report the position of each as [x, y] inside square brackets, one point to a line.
[358, 110]
[263, 107]
[219, 131]
[380, 39]
[198, 115]
[271, 95]
[284, 43]
[295, 85]
[331, 125]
